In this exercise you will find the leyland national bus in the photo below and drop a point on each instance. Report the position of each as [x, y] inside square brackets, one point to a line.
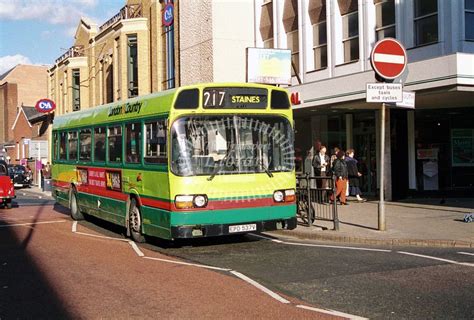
[197, 161]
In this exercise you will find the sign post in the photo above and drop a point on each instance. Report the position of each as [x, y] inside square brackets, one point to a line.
[389, 60]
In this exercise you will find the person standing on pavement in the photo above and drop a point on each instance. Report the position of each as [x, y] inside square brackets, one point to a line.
[341, 175]
[321, 163]
[354, 175]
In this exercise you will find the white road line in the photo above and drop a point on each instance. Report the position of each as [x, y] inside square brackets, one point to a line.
[467, 253]
[332, 312]
[320, 245]
[259, 286]
[188, 264]
[74, 226]
[136, 249]
[435, 258]
[30, 224]
[102, 237]
[389, 58]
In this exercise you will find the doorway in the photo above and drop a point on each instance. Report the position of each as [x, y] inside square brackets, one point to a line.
[365, 150]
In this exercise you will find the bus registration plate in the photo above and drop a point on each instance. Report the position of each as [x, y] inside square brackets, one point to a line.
[243, 228]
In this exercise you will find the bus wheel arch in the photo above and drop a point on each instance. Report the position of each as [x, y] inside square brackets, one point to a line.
[76, 213]
[134, 219]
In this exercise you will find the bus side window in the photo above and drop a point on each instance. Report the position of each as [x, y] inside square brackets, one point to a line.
[133, 138]
[55, 146]
[72, 145]
[99, 144]
[115, 144]
[62, 146]
[85, 145]
[155, 143]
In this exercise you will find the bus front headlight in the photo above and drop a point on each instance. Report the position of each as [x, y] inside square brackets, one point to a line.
[190, 201]
[278, 196]
[200, 201]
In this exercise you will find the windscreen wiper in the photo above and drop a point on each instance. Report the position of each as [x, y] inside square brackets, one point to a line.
[265, 168]
[221, 164]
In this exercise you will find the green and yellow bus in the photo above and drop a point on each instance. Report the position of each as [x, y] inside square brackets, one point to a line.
[196, 161]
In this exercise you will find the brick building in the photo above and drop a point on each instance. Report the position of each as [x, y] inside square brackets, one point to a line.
[21, 86]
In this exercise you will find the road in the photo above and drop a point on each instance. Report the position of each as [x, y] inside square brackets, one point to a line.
[95, 272]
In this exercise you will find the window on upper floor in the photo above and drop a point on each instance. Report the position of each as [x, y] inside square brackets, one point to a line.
[266, 24]
[350, 29]
[109, 81]
[290, 22]
[426, 21]
[317, 15]
[76, 90]
[469, 19]
[385, 19]
[132, 55]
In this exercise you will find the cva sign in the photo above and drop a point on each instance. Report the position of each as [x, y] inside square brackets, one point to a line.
[45, 105]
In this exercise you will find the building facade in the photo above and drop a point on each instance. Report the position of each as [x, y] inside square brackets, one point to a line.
[136, 52]
[429, 149]
[21, 127]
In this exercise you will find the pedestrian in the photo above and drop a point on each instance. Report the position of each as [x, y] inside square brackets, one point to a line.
[333, 155]
[354, 175]
[321, 165]
[341, 175]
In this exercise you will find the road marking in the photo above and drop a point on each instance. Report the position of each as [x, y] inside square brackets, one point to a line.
[188, 264]
[259, 286]
[74, 226]
[332, 312]
[101, 237]
[30, 224]
[137, 250]
[467, 253]
[320, 245]
[435, 258]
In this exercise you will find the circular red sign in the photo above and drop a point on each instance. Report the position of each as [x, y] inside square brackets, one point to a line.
[45, 105]
[168, 15]
[388, 58]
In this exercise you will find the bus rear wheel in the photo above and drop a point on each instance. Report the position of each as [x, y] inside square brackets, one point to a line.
[76, 213]
[135, 222]
[9, 204]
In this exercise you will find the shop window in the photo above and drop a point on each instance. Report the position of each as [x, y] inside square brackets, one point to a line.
[426, 21]
[132, 55]
[76, 90]
[72, 145]
[155, 143]
[133, 136]
[469, 19]
[85, 147]
[115, 144]
[99, 144]
[385, 19]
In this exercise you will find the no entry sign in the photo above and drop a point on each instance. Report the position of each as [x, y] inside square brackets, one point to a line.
[388, 58]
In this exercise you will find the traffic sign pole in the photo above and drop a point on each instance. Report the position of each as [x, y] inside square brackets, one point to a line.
[381, 207]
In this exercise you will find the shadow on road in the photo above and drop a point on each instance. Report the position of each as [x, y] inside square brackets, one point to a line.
[24, 290]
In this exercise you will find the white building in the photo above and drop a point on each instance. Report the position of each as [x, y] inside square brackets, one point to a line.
[428, 149]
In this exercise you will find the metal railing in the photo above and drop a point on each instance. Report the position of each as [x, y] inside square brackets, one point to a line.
[74, 51]
[127, 12]
[313, 197]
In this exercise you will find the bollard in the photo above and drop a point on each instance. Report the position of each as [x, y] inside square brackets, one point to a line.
[310, 207]
[334, 205]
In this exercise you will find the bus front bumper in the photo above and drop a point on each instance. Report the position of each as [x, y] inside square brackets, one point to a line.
[213, 230]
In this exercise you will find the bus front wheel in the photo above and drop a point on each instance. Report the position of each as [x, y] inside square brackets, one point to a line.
[76, 213]
[135, 222]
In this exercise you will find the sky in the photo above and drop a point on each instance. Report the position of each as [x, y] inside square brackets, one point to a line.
[40, 31]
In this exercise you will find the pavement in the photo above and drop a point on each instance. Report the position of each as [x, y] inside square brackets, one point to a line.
[431, 222]
[412, 222]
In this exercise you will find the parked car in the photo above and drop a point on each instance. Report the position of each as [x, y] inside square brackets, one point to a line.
[7, 190]
[20, 175]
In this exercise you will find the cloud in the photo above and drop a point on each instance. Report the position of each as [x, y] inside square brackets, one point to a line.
[52, 11]
[8, 62]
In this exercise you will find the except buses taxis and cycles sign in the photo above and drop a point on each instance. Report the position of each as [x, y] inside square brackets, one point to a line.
[45, 105]
[168, 15]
